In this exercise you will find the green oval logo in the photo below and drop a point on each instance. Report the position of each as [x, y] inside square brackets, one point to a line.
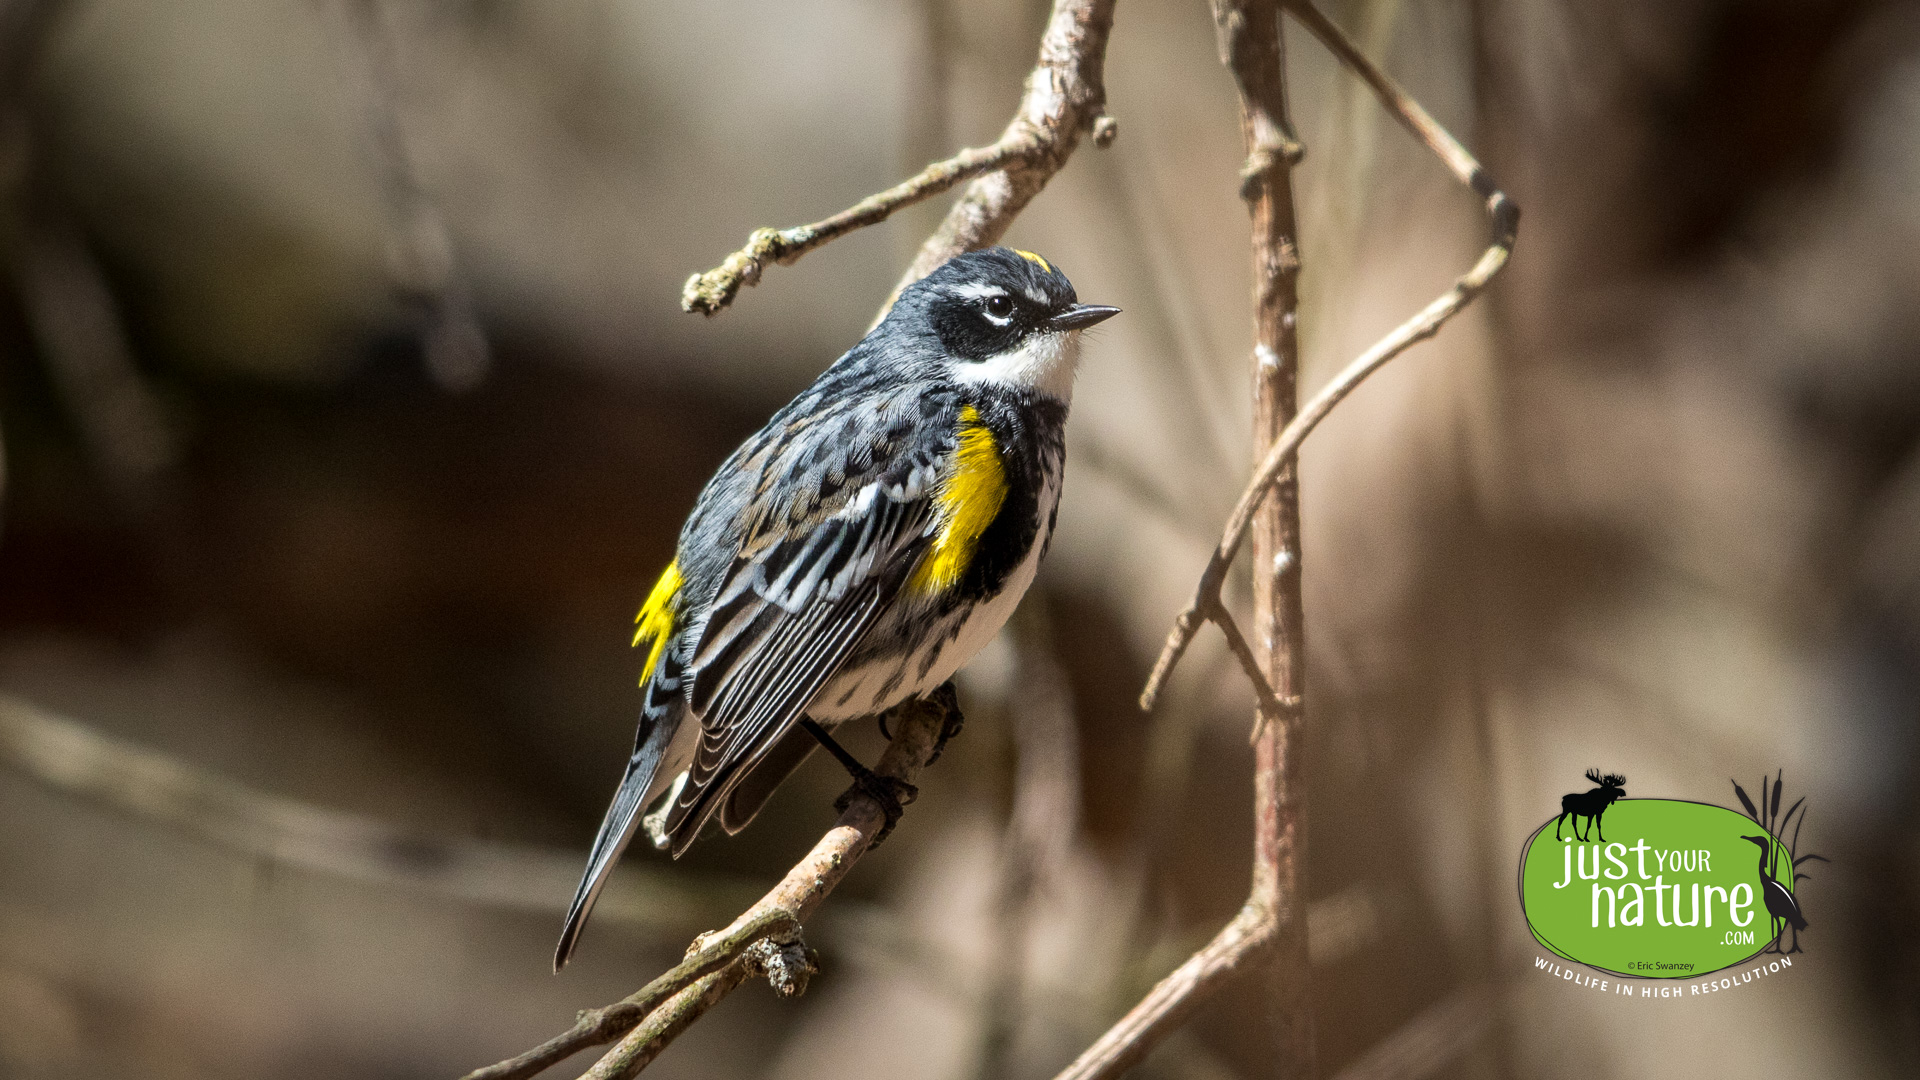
[1676, 889]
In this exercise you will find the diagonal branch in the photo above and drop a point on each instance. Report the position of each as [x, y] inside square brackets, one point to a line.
[1064, 99]
[646, 1022]
[597, 1027]
[1504, 218]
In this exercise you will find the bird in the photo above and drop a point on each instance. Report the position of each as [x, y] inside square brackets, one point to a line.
[853, 553]
[1781, 905]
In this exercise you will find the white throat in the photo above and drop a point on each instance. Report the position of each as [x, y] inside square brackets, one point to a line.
[1044, 363]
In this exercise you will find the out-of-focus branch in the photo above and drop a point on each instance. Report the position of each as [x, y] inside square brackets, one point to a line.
[917, 726]
[1270, 929]
[1041, 827]
[76, 323]
[69, 305]
[1504, 219]
[426, 274]
[73, 758]
[1064, 99]
[1430, 1041]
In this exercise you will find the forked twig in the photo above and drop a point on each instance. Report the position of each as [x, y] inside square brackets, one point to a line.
[1268, 929]
[1504, 217]
[597, 1027]
[646, 1022]
[1064, 99]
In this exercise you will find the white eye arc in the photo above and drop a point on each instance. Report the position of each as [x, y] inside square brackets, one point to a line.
[999, 309]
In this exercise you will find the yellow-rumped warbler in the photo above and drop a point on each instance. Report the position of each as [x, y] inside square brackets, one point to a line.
[853, 553]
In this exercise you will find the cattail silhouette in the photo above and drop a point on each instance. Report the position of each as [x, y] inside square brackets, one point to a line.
[1781, 904]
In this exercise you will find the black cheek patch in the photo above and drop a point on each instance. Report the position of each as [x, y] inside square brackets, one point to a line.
[965, 332]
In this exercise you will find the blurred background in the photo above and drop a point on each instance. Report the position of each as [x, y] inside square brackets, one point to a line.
[348, 414]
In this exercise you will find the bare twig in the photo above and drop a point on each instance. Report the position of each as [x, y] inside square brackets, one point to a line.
[1504, 217]
[597, 1027]
[1270, 929]
[710, 293]
[916, 726]
[1175, 998]
[1064, 97]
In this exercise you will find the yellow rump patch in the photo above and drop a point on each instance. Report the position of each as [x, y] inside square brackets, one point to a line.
[1035, 260]
[968, 502]
[655, 621]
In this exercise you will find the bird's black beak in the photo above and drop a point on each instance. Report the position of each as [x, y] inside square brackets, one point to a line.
[1081, 316]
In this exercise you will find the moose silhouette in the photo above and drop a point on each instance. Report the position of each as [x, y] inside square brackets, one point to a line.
[1590, 804]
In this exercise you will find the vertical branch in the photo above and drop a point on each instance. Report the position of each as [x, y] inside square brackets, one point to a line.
[1253, 48]
[1270, 926]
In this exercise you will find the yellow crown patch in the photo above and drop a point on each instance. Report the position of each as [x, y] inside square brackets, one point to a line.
[1035, 260]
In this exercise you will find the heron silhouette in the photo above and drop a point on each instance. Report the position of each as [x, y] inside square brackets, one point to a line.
[1779, 900]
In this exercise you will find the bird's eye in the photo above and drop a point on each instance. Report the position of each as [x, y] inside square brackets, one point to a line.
[1000, 306]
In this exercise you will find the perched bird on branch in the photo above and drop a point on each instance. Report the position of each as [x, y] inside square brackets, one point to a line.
[853, 553]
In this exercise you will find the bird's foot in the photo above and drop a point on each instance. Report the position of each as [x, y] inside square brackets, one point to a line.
[892, 796]
[948, 700]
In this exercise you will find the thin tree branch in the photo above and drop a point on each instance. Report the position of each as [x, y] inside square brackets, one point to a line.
[710, 293]
[1504, 217]
[1238, 946]
[1064, 97]
[597, 1027]
[1270, 930]
[691, 990]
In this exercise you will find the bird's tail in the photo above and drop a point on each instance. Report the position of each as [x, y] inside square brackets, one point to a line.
[642, 783]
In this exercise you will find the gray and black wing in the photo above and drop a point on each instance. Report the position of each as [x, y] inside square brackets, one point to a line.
[846, 526]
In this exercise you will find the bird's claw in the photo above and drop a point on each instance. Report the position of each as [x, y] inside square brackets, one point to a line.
[891, 794]
[948, 701]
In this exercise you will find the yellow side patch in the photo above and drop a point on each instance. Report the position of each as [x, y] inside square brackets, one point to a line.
[655, 621]
[968, 502]
[1034, 259]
